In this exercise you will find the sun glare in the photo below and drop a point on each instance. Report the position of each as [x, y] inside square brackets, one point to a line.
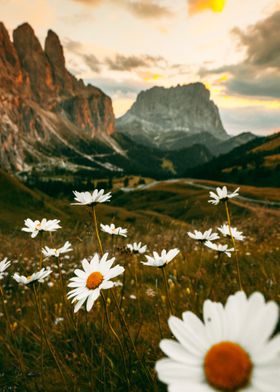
[196, 6]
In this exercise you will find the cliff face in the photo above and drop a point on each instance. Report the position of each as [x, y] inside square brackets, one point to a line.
[41, 103]
[177, 111]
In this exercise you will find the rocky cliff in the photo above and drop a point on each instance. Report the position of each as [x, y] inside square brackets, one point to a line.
[42, 106]
[178, 112]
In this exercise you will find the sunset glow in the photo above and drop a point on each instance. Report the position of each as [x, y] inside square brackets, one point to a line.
[126, 46]
[196, 6]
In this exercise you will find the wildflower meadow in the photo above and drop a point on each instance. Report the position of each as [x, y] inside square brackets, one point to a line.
[153, 305]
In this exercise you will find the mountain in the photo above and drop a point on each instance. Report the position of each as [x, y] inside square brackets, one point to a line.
[43, 107]
[176, 118]
[256, 162]
[161, 116]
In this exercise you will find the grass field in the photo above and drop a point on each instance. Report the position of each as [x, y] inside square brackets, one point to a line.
[79, 351]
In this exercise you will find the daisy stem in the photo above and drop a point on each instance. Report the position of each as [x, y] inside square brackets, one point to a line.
[96, 230]
[234, 245]
[44, 334]
[115, 336]
[41, 244]
[167, 290]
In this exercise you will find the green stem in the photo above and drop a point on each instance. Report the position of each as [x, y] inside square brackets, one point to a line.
[96, 230]
[234, 245]
[115, 336]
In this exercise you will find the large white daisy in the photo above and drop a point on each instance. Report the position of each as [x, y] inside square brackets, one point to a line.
[95, 276]
[230, 351]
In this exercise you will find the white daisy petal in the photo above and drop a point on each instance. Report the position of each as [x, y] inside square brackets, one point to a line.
[170, 371]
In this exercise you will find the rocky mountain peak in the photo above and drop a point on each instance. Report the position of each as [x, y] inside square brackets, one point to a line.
[33, 61]
[54, 52]
[178, 111]
[43, 106]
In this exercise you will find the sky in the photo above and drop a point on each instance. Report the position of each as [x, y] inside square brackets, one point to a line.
[125, 46]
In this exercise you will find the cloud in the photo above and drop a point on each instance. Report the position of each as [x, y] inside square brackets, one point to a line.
[128, 63]
[143, 9]
[92, 62]
[147, 9]
[259, 73]
[196, 6]
[262, 42]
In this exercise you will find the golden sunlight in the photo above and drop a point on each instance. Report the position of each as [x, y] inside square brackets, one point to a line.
[196, 6]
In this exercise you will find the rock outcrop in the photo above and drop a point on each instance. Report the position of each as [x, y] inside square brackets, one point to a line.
[178, 111]
[41, 103]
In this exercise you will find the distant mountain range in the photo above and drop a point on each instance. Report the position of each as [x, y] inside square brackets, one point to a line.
[256, 162]
[53, 127]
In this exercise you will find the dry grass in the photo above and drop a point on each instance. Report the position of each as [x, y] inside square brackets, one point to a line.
[87, 352]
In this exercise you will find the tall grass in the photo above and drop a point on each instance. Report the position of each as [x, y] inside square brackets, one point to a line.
[46, 347]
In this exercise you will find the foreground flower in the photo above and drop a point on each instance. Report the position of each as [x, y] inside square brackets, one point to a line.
[162, 259]
[229, 352]
[202, 237]
[222, 195]
[91, 199]
[49, 252]
[113, 230]
[34, 227]
[225, 231]
[36, 277]
[4, 264]
[137, 247]
[219, 248]
[95, 276]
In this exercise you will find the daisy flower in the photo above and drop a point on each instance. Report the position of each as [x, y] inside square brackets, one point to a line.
[230, 351]
[4, 264]
[49, 252]
[137, 247]
[219, 248]
[222, 195]
[161, 260]
[113, 230]
[237, 235]
[95, 276]
[91, 198]
[202, 237]
[34, 227]
[36, 277]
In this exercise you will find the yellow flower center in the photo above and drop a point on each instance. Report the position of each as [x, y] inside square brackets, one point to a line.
[94, 280]
[38, 226]
[227, 367]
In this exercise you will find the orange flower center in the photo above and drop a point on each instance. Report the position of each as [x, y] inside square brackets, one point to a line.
[94, 280]
[227, 367]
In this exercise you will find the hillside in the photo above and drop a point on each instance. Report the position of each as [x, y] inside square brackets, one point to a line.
[256, 162]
